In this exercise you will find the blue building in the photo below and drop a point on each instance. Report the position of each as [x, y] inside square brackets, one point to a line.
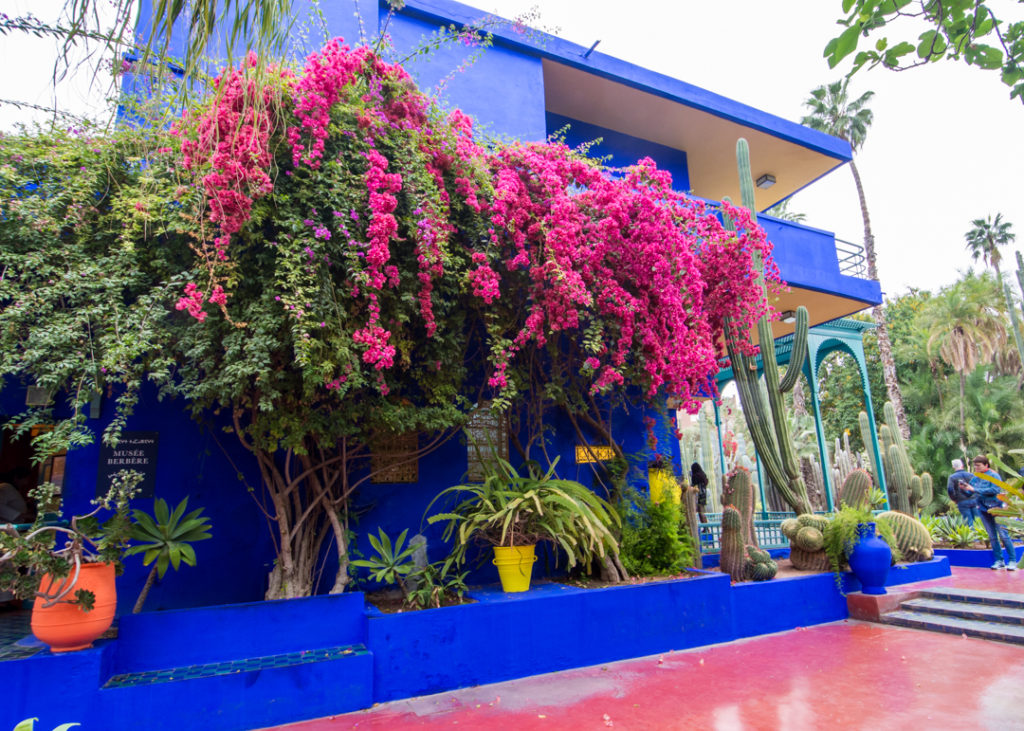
[526, 87]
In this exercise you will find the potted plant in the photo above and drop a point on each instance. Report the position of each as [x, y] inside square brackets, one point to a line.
[866, 543]
[513, 512]
[72, 583]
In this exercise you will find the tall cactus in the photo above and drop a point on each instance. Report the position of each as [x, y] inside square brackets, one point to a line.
[869, 445]
[927, 491]
[905, 488]
[740, 495]
[766, 417]
[733, 557]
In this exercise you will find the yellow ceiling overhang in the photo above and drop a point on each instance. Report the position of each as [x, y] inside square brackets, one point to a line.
[706, 138]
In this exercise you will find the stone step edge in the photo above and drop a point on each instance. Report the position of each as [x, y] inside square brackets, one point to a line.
[974, 596]
[934, 623]
[982, 612]
[212, 670]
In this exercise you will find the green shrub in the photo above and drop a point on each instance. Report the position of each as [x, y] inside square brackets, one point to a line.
[655, 539]
[841, 536]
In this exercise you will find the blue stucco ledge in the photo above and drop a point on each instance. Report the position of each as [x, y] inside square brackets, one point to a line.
[905, 573]
[977, 558]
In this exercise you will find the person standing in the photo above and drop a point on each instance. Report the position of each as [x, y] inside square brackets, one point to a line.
[987, 493]
[699, 480]
[966, 503]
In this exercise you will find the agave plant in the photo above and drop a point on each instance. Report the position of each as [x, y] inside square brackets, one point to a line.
[513, 509]
[953, 529]
[165, 540]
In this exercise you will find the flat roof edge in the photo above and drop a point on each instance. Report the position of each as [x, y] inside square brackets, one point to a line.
[570, 54]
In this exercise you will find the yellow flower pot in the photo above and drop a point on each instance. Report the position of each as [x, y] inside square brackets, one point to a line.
[515, 566]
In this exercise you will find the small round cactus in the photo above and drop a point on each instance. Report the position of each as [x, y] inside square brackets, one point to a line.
[809, 539]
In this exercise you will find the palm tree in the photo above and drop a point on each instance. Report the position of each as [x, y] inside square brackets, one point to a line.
[965, 329]
[983, 241]
[985, 238]
[834, 112]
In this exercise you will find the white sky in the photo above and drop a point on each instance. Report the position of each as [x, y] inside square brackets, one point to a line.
[946, 145]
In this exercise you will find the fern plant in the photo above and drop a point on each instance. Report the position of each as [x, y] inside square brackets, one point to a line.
[841, 536]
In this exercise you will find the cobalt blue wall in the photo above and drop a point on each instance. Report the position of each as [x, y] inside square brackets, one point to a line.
[973, 558]
[807, 259]
[624, 149]
[504, 89]
[552, 627]
[202, 463]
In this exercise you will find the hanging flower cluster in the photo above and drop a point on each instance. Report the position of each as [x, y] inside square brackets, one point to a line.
[386, 213]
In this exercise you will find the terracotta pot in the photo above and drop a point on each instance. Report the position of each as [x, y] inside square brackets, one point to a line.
[66, 627]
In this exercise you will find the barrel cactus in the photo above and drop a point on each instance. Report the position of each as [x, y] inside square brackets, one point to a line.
[912, 537]
[806, 534]
[759, 564]
[733, 558]
[857, 490]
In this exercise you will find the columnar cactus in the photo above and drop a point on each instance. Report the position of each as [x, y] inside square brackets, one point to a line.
[899, 474]
[693, 522]
[869, 444]
[740, 494]
[733, 556]
[927, 490]
[915, 491]
[759, 565]
[766, 417]
[857, 490]
[709, 460]
[912, 537]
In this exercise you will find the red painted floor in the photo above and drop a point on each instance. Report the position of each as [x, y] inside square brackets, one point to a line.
[846, 675]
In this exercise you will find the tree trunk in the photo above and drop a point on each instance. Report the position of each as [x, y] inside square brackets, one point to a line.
[145, 590]
[963, 428]
[892, 385]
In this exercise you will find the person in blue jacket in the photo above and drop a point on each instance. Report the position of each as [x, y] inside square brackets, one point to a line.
[987, 493]
[966, 503]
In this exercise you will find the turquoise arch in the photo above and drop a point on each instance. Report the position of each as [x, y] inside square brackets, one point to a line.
[844, 334]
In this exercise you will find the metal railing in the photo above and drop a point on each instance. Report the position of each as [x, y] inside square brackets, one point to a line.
[768, 531]
[852, 261]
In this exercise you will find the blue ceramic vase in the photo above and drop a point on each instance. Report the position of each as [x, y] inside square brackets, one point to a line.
[870, 559]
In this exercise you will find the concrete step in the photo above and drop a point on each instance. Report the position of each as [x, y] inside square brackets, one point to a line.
[957, 626]
[966, 610]
[975, 596]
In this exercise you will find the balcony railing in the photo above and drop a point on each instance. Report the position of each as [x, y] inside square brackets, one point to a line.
[852, 261]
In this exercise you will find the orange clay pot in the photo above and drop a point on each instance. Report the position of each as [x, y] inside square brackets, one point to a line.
[66, 627]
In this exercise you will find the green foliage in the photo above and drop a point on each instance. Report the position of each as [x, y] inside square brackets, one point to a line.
[513, 509]
[655, 540]
[392, 562]
[841, 536]
[953, 529]
[165, 539]
[166, 536]
[421, 587]
[26, 556]
[29, 724]
[924, 32]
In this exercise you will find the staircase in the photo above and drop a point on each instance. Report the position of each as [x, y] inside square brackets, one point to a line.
[985, 614]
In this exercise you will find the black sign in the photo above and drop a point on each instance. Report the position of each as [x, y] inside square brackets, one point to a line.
[135, 451]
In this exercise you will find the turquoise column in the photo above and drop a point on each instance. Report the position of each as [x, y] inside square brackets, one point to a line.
[865, 386]
[721, 452]
[760, 485]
